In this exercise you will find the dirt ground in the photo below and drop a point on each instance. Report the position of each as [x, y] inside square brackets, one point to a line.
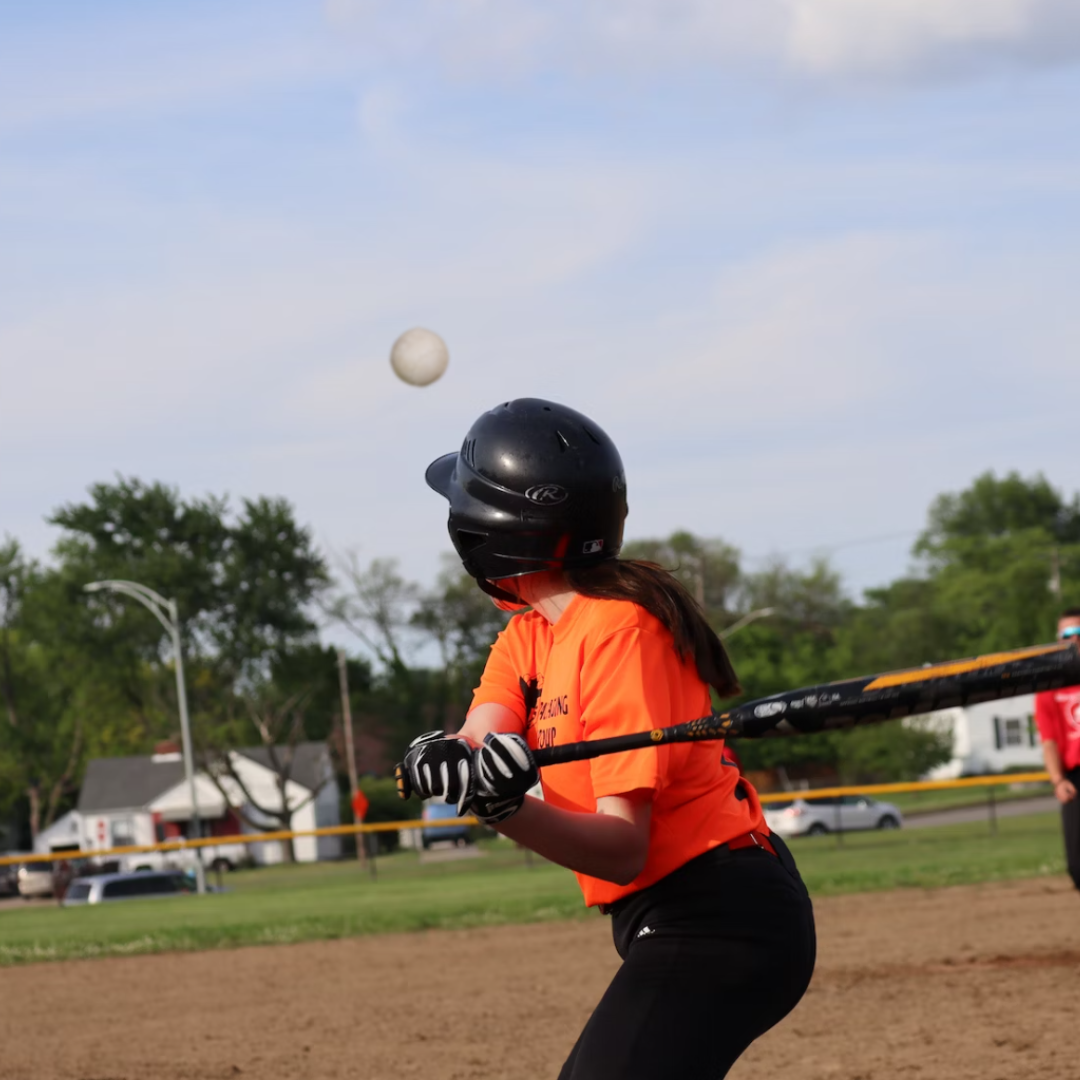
[971, 983]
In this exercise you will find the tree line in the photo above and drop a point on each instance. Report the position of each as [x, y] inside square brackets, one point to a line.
[85, 676]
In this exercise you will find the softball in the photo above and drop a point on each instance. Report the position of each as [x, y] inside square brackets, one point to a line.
[419, 357]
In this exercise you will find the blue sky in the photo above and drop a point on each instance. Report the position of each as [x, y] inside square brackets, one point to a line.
[809, 262]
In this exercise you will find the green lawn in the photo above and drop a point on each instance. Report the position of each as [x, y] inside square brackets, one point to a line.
[302, 903]
[914, 802]
[1028, 846]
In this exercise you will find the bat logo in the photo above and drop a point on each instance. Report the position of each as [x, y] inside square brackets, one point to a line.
[547, 494]
[770, 708]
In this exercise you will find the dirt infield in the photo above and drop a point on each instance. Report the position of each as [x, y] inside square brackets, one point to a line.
[970, 983]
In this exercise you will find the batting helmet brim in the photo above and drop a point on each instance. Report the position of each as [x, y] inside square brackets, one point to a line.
[439, 474]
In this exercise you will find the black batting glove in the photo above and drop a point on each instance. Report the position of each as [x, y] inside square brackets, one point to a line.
[505, 771]
[441, 768]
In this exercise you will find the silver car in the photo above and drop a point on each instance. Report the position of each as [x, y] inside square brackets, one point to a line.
[140, 885]
[810, 816]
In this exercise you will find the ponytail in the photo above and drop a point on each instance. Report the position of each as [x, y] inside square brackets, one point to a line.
[665, 598]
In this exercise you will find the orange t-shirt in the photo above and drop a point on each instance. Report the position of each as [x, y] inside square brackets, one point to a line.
[608, 667]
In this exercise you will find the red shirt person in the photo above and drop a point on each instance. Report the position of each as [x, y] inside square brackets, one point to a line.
[1057, 716]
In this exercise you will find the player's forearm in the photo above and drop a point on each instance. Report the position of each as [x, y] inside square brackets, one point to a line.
[1052, 760]
[487, 718]
[600, 845]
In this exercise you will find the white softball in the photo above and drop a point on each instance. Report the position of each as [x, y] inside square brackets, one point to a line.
[419, 357]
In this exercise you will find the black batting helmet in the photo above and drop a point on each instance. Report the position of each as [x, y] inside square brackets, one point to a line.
[535, 486]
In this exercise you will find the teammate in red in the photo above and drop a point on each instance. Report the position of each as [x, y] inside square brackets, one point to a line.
[709, 914]
[1057, 714]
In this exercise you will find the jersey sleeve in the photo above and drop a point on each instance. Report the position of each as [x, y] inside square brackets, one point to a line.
[501, 682]
[626, 687]
[1046, 716]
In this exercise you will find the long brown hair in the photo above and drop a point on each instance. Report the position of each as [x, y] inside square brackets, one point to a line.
[667, 600]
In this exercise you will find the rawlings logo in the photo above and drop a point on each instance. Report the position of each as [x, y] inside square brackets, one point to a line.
[547, 494]
[770, 708]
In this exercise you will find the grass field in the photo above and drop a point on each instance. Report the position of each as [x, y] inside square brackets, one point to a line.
[334, 900]
[916, 802]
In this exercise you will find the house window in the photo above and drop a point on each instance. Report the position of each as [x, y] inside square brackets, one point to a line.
[122, 832]
[1014, 733]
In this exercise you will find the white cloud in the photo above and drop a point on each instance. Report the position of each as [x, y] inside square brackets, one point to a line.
[838, 36]
[834, 39]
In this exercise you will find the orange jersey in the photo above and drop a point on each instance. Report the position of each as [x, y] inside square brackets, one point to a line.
[608, 667]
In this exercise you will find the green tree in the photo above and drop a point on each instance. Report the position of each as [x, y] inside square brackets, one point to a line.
[244, 586]
[1004, 557]
[57, 705]
[708, 568]
[460, 619]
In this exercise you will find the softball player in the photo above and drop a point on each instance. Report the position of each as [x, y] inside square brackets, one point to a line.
[709, 914]
[1057, 715]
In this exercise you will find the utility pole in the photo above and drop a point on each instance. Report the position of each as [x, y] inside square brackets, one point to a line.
[350, 753]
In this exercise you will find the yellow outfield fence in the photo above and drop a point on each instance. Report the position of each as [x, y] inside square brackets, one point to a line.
[239, 838]
[915, 785]
[395, 826]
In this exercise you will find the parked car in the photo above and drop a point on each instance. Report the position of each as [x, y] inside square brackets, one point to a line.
[35, 879]
[140, 885]
[810, 816]
[440, 811]
[224, 857]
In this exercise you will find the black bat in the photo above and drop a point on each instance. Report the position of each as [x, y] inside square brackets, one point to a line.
[849, 703]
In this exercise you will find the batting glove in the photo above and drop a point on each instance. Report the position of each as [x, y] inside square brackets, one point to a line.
[505, 771]
[441, 768]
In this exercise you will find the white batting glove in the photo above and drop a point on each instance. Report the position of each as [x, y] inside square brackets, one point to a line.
[505, 771]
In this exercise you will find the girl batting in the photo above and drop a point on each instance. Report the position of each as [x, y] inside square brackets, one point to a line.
[709, 915]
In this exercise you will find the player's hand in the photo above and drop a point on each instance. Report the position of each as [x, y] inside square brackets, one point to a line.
[505, 771]
[1065, 790]
[441, 768]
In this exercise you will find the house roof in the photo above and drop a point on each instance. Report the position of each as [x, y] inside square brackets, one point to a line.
[124, 783]
[121, 783]
[307, 762]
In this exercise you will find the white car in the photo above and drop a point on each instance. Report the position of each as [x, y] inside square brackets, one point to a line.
[35, 879]
[225, 857]
[810, 816]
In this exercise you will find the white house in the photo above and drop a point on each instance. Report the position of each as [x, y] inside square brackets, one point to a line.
[145, 800]
[991, 737]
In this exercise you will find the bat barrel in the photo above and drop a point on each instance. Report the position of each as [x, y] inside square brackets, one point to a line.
[894, 695]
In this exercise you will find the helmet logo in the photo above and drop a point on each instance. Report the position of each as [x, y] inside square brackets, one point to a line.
[547, 494]
[592, 547]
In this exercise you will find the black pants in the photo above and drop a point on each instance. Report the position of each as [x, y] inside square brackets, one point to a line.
[1070, 821]
[713, 955]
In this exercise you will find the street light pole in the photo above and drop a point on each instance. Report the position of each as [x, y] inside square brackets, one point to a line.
[166, 613]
